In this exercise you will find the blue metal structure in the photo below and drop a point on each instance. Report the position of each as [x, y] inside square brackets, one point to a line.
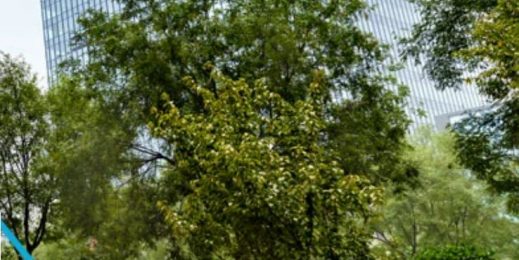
[15, 242]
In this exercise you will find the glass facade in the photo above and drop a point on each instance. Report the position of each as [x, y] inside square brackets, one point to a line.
[60, 24]
[393, 19]
[389, 20]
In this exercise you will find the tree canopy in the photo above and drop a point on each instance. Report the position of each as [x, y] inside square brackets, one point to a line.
[254, 165]
[476, 42]
[449, 213]
[146, 50]
[27, 183]
[255, 129]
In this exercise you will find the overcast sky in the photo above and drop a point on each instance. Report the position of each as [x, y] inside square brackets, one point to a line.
[21, 33]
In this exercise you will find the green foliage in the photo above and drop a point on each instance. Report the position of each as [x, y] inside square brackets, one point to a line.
[75, 247]
[110, 172]
[449, 208]
[260, 163]
[27, 183]
[461, 36]
[494, 135]
[145, 52]
[154, 44]
[484, 148]
[444, 30]
[251, 178]
[455, 253]
[85, 139]
[100, 187]
[69, 247]
[369, 136]
[8, 252]
[496, 39]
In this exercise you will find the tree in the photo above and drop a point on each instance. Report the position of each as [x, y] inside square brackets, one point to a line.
[369, 142]
[27, 184]
[489, 143]
[445, 29]
[254, 165]
[103, 195]
[145, 51]
[457, 37]
[155, 44]
[450, 208]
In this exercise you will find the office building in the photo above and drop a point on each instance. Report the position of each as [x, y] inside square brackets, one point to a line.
[391, 20]
[60, 23]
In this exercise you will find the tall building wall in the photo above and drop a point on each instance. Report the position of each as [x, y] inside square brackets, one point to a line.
[60, 23]
[391, 20]
[388, 21]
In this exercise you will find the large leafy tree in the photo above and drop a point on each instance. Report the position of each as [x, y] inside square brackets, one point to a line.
[27, 184]
[477, 41]
[449, 208]
[143, 53]
[100, 185]
[253, 166]
[156, 43]
[445, 28]
[147, 49]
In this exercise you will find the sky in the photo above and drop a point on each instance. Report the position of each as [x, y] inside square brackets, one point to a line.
[21, 33]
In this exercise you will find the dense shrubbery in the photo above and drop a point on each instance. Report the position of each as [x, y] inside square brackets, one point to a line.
[460, 252]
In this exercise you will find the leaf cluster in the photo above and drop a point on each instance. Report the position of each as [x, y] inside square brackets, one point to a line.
[476, 42]
[254, 165]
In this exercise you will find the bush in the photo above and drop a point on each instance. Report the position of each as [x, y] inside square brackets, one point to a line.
[462, 252]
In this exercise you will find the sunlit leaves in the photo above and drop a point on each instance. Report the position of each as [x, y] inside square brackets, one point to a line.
[253, 165]
[449, 207]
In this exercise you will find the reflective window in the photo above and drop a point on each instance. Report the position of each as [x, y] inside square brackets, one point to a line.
[390, 20]
[59, 25]
[393, 19]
